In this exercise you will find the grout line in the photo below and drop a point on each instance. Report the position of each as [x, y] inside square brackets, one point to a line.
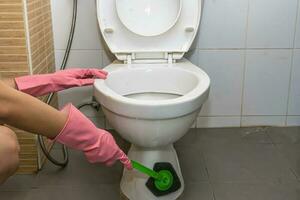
[14, 37]
[284, 158]
[289, 87]
[261, 49]
[243, 84]
[12, 47]
[204, 49]
[296, 22]
[291, 65]
[247, 115]
[199, 25]
[29, 60]
[10, 13]
[80, 49]
[26, 24]
[102, 57]
[208, 175]
[281, 155]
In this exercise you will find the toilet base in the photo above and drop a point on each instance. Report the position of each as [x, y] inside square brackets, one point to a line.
[133, 182]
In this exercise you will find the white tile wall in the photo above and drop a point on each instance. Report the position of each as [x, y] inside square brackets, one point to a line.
[271, 23]
[61, 19]
[193, 56]
[107, 57]
[217, 122]
[245, 46]
[224, 24]
[293, 121]
[263, 120]
[225, 68]
[87, 34]
[294, 99]
[80, 58]
[75, 96]
[87, 49]
[266, 84]
[297, 38]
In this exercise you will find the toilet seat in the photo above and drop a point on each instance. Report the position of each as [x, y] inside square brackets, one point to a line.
[170, 30]
[155, 49]
[184, 79]
[159, 15]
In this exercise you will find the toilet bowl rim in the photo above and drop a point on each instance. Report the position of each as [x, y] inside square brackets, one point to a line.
[201, 88]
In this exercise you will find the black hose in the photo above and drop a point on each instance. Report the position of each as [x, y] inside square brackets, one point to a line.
[65, 160]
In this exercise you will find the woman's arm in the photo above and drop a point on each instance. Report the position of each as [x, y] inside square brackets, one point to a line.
[9, 82]
[28, 113]
[69, 126]
[25, 112]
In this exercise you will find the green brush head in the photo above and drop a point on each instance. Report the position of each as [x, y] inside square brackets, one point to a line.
[165, 180]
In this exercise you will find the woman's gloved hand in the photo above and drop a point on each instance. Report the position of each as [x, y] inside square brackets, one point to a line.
[38, 85]
[98, 145]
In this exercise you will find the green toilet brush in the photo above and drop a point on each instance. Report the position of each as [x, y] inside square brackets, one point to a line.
[163, 179]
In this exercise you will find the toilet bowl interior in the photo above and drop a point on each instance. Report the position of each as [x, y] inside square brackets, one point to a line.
[157, 83]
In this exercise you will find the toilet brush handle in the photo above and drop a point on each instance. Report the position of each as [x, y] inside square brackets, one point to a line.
[144, 169]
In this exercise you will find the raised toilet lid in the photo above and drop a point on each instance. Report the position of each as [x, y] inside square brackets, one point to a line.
[149, 29]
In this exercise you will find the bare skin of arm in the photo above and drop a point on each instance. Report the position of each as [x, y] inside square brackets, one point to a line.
[9, 82]
[28, 113]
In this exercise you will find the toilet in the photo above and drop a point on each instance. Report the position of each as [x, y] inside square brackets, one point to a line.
[152, 95]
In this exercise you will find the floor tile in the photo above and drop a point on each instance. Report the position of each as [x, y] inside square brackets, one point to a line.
[56, 145]
[19, 183]
[79, 172]
[285, 135]
[262, 191]
[291, 154]
[234, 135]
[196, 191]
[13, 195]
[92, 192]
[96, 192]
[225, 164]
[50, 193]
[192, 158]
[191, 138]
[245, 162]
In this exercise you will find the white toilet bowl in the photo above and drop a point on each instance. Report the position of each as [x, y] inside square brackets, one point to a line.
[152, 106]
[152, 96]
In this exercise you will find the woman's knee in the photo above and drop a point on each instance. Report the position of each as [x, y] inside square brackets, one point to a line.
[9, 152]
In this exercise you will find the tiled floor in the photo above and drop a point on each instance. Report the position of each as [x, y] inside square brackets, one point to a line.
[217, 164]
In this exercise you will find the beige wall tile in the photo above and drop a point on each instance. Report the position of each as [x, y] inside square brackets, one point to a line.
[11, 7]
[14, 58]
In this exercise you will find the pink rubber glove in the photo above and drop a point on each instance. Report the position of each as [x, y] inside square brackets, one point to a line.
[98, 145]
[38, 85]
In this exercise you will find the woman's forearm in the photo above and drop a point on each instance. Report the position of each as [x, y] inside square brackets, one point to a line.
[28, 113]
[9, 82]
